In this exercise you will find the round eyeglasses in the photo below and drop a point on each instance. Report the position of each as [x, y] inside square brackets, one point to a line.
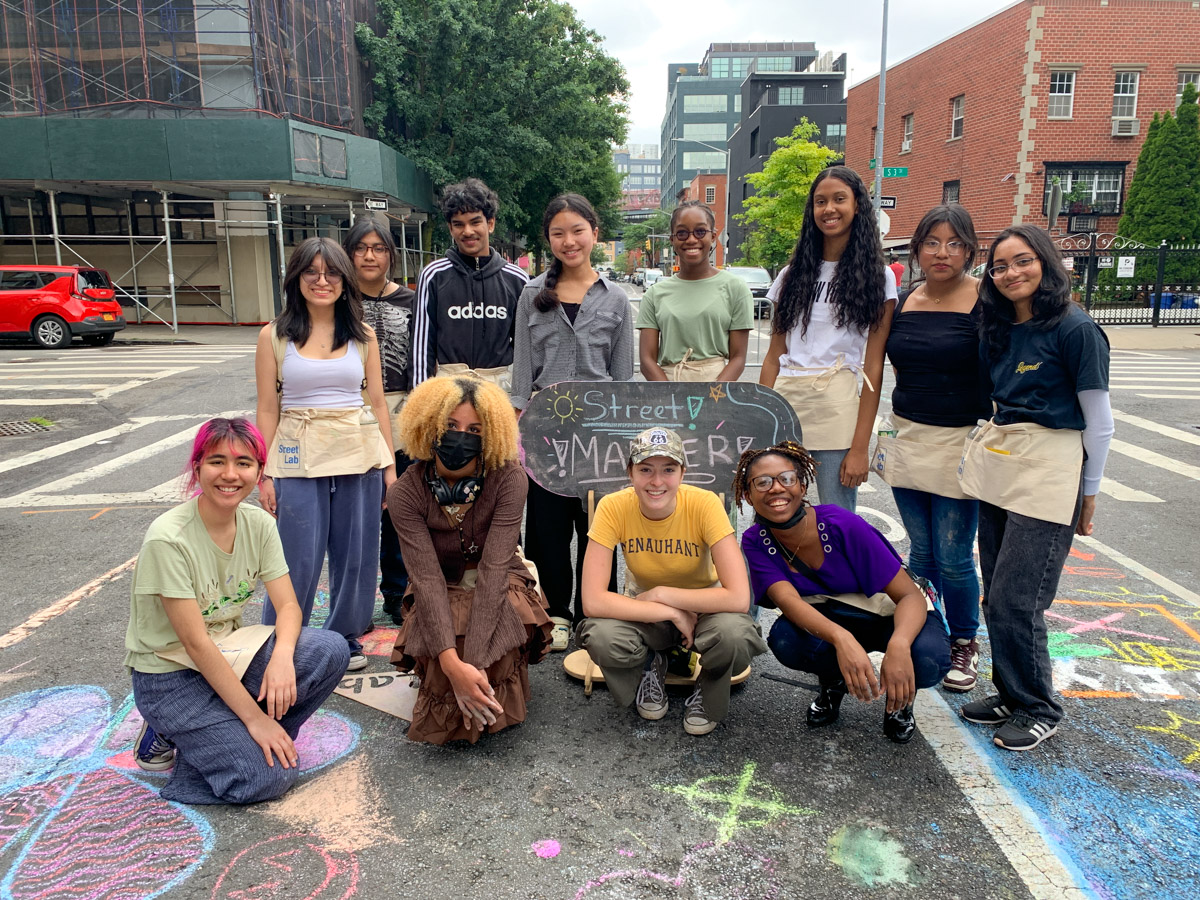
[787, 479]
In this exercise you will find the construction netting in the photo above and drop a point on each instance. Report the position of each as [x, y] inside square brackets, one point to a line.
[157, 58]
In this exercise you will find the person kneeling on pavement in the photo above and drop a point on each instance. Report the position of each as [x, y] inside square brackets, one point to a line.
[843, 592]
[686, 583]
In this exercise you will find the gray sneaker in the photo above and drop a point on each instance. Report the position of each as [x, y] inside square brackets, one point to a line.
[652, 692]
[695, 719]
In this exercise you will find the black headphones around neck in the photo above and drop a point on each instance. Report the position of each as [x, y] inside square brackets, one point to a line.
[465, 490]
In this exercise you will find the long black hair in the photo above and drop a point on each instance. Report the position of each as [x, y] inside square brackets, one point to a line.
[547, 297]
[857, 292]
[956, 216]
[294, 323]
[1050, 303]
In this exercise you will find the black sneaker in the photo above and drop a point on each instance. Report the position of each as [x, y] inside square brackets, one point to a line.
[988, 711]
[901, 725]
[391, 607]
[826, 705]
[1023, 732]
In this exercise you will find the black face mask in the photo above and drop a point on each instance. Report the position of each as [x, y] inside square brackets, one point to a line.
[457, 448]
[784, 526]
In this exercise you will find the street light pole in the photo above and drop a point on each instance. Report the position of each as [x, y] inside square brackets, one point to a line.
[728, 187]
[875, 201]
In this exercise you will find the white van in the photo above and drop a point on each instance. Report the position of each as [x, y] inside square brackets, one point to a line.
[653, 275]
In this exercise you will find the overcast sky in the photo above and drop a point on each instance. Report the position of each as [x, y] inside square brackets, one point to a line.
[647, 36]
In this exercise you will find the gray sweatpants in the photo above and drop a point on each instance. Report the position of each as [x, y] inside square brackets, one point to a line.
[726, 643]
[216, 760]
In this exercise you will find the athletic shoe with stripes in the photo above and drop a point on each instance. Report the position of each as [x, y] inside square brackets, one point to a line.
[1023, 732]
[988, 711]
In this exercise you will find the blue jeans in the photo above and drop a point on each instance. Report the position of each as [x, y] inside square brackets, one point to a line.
[797, 649]
[941, 534]
[829, 483]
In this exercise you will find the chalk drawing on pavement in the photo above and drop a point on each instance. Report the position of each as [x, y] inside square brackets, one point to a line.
[287, 866]
[709, 871]
[1183, 729]
[869, 856]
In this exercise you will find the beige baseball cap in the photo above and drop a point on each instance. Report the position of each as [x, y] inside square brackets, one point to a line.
[656, 442]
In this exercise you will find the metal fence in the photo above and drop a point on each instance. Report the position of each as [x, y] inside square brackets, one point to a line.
[1123, 282]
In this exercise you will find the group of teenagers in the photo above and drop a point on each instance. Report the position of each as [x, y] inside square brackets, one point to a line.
[386, 441]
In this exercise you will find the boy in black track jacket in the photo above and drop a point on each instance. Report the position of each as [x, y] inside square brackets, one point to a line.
[467, 301]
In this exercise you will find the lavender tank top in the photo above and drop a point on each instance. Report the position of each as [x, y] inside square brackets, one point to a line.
[322, 383]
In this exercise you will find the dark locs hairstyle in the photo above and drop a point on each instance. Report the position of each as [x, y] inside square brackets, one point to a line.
[956, 216]
[366, 229]
[806, 466]
[467, 196]
[547, 298]
[1050, 302]
[694, 204]
[857, 292]
[294, 323]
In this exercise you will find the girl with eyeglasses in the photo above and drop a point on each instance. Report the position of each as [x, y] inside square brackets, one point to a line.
[474, 619]
[696, 325]
[941, 392]
[322, 413]
[1035, 467]
[834, 300]
[842, 592]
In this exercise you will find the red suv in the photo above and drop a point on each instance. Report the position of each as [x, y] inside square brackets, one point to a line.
[53, 304]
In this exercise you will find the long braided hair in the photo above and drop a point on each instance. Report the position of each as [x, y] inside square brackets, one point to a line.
[806, 466]
[547, 297]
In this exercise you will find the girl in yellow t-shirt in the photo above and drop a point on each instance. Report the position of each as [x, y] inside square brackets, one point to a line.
[686, 583]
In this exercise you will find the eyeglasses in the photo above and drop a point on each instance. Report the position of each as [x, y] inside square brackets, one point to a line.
[1018, 265]
[953, 248]
[377, 249]
[762, 483]
[312, 276]
[699, 233]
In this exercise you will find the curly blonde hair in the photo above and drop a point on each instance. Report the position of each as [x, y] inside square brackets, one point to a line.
[425, 413]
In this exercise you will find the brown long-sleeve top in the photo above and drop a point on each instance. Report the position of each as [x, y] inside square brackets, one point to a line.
[433, 555]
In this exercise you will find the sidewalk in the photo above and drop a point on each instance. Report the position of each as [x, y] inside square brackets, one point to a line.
[1143, 337]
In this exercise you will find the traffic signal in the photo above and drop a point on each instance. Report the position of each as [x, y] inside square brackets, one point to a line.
[647, 245]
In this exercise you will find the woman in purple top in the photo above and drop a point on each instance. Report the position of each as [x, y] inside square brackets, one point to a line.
[842, 591]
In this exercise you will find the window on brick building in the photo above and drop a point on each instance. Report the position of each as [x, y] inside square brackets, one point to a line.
[907, 130]
[1062, 95]
[1186, 78]
[710, 194]
[1096, 187]
[1125, 91]
[957, 109]
[950, 191]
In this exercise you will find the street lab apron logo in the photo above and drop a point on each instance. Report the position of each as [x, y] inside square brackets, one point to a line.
[289, 456]
[477, 311]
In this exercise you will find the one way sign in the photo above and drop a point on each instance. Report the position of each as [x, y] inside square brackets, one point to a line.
[887, 202]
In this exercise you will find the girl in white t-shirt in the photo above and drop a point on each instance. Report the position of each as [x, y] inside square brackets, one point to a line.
[833, 302]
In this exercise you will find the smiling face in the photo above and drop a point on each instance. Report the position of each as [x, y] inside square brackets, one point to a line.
[656, 483]
[692, 251]
[572, 239]
[320, 283]
[226, 475]
[471, 232]
[944, 262]
[777, 503]
[834, 207]
[1022, 275]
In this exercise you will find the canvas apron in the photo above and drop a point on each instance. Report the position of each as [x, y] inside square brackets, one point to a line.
[238, 645]
[921, 457]
[395, 401]
[688, 369]
[500, 376]
[826, 404]
[315, 443]
[1024, 468]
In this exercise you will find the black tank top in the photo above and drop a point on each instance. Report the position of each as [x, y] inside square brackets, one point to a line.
[940, 379]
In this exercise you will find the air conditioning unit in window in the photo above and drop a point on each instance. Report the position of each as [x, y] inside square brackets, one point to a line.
[905, 146]
[1126, 127]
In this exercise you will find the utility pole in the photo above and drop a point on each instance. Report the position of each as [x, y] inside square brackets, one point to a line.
[879, 120]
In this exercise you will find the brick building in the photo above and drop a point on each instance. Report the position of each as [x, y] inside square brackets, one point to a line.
[1041, 89]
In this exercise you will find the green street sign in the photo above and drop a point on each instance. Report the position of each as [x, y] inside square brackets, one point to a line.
[872, 163]
[895, 171]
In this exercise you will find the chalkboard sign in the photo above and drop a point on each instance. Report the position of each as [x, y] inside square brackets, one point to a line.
[575, 434]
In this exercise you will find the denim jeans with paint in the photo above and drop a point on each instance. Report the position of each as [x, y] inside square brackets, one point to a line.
[829, 482]
[941, 533]
[1022, 560]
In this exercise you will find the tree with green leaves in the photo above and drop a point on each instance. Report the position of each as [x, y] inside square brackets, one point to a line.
[776, 209]
[637, 233]
[519, 93]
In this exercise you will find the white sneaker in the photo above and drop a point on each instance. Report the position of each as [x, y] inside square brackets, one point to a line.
[652, 692]
[964, 665]
[695, 719]
[560, 634]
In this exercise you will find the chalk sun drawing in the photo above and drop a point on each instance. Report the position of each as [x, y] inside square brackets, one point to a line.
[78, 823]
[300, 865]
[735, 794]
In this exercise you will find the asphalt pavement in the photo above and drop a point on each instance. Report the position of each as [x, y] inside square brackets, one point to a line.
[585, 800]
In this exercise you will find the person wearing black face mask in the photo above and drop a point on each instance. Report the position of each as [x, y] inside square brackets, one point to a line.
[842, 591]
[474, 618]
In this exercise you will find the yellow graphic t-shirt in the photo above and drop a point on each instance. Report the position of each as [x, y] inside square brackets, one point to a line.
[673, 551]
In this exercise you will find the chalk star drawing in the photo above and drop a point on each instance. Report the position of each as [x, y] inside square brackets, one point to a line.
[736, 798]
[1177, 731]
[716, 392]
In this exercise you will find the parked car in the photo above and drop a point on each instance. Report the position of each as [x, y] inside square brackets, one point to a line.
[652, 275]
[53, 304]
[759, 282]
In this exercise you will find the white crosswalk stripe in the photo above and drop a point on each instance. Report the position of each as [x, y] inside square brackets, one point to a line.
[1166, 377]
[88, 376]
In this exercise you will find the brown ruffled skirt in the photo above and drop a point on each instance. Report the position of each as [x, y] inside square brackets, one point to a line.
[436, 716]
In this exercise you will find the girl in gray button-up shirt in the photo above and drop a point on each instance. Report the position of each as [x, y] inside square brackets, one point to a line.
[572, 325]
